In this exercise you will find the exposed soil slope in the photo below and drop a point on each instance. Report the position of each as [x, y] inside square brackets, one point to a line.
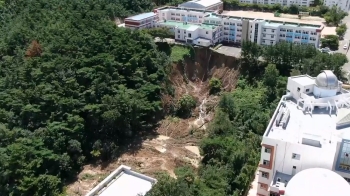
[177, 142]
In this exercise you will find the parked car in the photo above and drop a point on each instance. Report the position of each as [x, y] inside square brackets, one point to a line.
[345, 46]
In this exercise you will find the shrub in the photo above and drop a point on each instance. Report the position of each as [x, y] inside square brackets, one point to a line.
[215, 85]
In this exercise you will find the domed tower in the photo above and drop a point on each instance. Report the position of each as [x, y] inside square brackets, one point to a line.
[317, 182]
[326, 84]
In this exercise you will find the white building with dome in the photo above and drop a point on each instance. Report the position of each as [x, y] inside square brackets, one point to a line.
[310, 128]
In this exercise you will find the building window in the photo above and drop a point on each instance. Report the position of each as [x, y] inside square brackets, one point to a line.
[178, 31]
[272, 36]
[189, 35]
[298, 89]
[296, 156]
[206, 32]
[265, 175]
[307, 90]
[267, 150]
[344, 156]
[266, 162]
[178, 36]
[273, 31]
[264, 186]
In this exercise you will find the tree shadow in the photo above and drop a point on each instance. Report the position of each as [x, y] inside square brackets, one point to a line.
[131, 145]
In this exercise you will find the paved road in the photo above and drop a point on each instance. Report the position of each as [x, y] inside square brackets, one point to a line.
[346, 20]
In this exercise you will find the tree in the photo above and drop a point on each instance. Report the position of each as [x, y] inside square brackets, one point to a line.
[270, 76]
[340, 30]
[215, 85]
[330, 41]
[185, 105]
[161, 32]
[334, 16]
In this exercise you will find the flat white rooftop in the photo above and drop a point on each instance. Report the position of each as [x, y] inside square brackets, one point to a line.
[304, 80]
[322, 125]
[319, 126]
[123, 182]
[127, 185]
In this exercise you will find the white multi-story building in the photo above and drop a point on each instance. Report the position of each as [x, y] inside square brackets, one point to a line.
[305, 3]
[309, 129]
[233, 29]
[342, 4]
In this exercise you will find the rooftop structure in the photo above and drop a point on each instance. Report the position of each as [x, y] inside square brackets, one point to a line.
[212, 5]
[309, 128]
[317, 181]
[141, 16]
[123, 182]
[145, 20]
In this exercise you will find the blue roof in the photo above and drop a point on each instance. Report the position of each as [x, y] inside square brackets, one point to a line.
[141, 16]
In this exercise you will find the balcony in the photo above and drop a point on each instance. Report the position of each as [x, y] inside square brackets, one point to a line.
[280, 182]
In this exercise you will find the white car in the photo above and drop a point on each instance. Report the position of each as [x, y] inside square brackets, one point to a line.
[345, 47]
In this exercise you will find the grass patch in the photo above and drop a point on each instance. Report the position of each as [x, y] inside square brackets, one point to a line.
[87, 177]
[179, 53]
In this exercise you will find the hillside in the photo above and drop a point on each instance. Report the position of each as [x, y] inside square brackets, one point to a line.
[178, 139]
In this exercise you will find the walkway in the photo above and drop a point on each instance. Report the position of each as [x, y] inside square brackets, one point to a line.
[254, 186]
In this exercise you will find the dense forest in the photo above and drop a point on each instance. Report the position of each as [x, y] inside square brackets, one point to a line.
[74, 88]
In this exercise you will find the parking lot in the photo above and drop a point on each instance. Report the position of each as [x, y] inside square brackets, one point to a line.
[230, 51]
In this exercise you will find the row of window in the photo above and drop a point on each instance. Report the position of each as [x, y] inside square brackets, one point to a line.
[294, 155]
[297, 37]
[237, 40]
[189, 15]
[232, 24]
[178, 31]
[264, 42]
[232, 34]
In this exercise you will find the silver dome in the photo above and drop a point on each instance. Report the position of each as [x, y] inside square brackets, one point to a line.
[327, 79]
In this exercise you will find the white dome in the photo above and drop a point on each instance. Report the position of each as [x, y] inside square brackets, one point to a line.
[327, 79]
[317, 181]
